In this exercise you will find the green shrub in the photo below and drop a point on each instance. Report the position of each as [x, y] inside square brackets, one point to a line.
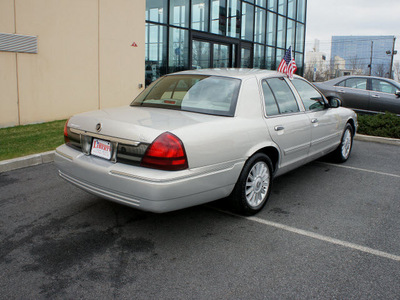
[384, 125]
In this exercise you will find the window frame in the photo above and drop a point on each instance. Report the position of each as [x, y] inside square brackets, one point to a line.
[293, 91]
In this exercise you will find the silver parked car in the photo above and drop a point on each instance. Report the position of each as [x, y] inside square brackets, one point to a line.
[197, 136]
[364, 93]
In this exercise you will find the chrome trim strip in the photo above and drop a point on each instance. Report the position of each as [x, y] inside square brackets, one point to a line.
[105, 137]
[296, 148]
[326, 138]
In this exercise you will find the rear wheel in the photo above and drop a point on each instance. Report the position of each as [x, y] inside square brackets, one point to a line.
[253, 186]
[342, 152]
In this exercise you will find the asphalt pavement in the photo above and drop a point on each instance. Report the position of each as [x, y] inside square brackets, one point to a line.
[328, 232]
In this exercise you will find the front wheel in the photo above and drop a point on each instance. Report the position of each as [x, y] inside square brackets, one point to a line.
[253, 187]
[342, 152]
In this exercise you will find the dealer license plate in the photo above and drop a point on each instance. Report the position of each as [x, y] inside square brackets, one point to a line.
[101, 148]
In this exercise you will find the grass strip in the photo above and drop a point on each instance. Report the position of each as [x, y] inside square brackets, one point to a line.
[29, 139]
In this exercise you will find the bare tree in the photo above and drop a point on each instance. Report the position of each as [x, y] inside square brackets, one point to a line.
[396, 70]
[380, 70]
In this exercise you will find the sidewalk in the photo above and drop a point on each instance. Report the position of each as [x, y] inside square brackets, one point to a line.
[47, 157]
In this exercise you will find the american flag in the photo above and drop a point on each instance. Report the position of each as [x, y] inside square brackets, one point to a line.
[288, 65]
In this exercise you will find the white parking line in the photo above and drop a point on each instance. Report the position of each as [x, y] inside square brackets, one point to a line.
[326, 238]
[318, 237]
[359, 169]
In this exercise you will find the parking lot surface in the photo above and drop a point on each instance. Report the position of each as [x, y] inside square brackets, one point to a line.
[328, 231]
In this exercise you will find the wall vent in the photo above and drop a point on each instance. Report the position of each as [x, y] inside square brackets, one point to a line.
[18, 43]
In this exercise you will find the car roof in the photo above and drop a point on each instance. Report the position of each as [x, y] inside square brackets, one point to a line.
[233, 73]
[338, 79]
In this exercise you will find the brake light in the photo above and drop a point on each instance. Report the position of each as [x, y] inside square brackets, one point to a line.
[165, 153]
[66, 139]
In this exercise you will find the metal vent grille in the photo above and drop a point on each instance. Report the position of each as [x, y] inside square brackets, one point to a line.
[18, 43]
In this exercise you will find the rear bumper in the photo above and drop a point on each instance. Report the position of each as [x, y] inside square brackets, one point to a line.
[143, 188]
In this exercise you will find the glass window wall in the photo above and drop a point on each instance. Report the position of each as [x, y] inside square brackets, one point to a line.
[282, 7]
[178, 50]
[218, 17]
[179, 13]
[183, 34]
[200, 15]
[155, 52]
[281, 34]
[247, 21]
[156, 11]
[233, 18]
[259, 28]
[290, 34]
[258, 59]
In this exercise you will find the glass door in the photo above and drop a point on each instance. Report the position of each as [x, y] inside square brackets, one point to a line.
[211, 54]
[201, 55]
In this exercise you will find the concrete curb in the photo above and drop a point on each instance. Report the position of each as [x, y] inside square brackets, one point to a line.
[26, 161]
[377, 139]
[46, 157]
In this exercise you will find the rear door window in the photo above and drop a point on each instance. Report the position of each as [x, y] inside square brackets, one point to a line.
[278, 97]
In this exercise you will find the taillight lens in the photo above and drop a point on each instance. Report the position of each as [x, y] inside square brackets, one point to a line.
[66, 139]
[166, 153]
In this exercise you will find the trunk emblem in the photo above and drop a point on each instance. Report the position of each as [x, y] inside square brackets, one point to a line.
[98, 127]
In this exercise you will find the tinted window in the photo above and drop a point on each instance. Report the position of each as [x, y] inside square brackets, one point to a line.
[283, 95]
[197, 93]
[311, 98]
[270, 103]
[383, 86]
[355, 83]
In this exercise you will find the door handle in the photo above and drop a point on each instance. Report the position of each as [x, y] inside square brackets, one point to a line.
[342, 91]
[279, 128]
[315, 120]
[375, 96]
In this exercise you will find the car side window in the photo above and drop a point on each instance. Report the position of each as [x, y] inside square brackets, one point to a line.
[271, 106]
[383, 86]
[282, 95]
[311, 98]
[356, 83]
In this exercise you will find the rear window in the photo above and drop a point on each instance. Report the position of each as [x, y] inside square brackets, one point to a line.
[195, 93]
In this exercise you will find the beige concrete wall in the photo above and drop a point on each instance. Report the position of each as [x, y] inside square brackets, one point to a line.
[8, 70]
[84, 62]
[122, 22]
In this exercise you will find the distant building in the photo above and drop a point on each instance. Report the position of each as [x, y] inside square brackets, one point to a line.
[357, 52]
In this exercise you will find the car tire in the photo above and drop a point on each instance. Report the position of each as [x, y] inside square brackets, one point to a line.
[342, 152]
[253, 187]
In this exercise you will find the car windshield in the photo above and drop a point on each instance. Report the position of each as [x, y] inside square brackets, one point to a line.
[195, 93]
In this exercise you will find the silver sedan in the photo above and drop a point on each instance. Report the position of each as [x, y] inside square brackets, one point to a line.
[197, 136]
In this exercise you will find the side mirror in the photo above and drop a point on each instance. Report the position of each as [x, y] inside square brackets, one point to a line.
[397, 93]
[334, 102]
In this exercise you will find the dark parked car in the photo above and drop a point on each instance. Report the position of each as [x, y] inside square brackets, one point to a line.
[364, 93]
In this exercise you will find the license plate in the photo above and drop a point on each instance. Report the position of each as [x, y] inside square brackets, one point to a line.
[101, 148]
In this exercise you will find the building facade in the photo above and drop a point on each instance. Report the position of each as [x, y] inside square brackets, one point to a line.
[366, 55]
[182, 34]
[62, 57]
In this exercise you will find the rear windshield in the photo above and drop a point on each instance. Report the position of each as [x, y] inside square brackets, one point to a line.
[196, 93]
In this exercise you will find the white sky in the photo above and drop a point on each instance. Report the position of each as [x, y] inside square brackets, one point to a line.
[326, 18]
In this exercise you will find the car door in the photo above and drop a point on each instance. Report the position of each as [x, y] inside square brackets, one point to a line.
[353, 92]
[288, 126]
[325, 131]
[383, 97]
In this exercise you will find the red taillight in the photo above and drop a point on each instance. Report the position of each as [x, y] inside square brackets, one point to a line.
[165, 153]
[66, 139]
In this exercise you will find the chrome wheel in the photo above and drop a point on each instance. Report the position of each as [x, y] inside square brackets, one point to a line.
[257, 184]
[346, 144]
